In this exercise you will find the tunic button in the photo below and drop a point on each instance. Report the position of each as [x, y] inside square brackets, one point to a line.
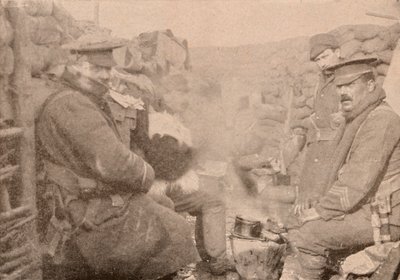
[322, 95]
[315, 160]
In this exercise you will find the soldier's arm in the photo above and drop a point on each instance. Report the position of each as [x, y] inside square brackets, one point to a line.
[97, 146]
[364, 169]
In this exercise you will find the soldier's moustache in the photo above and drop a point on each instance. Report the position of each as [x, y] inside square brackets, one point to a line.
[345, 97]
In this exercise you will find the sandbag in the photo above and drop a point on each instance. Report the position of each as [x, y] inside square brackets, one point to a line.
[268, 123]
[385, 56]
[309, 80]
[269, 112]
[308, 67]
[164, 48]
[37, 59]
[173, 50]
[392, 81]
[387, 37]
[394, 32]
[300, 101]
[6, 31]
[44, 30]
[129, 57]
[309, 91]
[358, 55]
[349, 48]
[344, 35]
[302, 113]
[366, 32]
[42, 57]
[38, 7]
[310, 102]
[6, 61]
[395, 28]
[380, 80]
[374, 45]
[382, 69]
[66, 21]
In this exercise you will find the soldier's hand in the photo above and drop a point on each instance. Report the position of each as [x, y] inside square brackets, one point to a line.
[303, 203]
[148, 177]
[302, 123]
[249, 162]
[309, 215]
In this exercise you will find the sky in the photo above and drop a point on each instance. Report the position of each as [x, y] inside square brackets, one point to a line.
[227, 23]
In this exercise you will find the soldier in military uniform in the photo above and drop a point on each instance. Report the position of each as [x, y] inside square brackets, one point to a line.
[172, 158]
[321, 125]
[101, 215]
[361, 204]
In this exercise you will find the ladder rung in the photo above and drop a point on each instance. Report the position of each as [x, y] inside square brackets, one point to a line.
[8, 172]
[11, 132]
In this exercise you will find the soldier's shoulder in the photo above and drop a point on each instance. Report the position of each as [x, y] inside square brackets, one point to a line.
[66, 97]
[64, 102]
[384, 117]
[384, 110]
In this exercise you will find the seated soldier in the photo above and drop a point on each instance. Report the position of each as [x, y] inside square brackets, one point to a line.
[361, 205]
[166, 144]
[102, 217]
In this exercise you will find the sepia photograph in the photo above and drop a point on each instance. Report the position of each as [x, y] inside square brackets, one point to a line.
[199, 140]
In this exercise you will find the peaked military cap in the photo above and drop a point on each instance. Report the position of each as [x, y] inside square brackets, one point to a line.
[97, 48]
[350, 70]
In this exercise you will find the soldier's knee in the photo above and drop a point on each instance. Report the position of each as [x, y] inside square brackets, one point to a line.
[304, 239]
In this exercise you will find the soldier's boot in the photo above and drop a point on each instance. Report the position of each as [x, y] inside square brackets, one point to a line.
[210, 237]
[291, 268]
[312, 266]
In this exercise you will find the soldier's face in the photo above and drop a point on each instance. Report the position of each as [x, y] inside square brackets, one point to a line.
[327, 58]
[101, 74]
[353, 93]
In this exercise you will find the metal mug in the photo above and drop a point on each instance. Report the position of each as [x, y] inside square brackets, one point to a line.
[247, 228]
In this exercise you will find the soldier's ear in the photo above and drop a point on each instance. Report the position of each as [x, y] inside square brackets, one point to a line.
[371, 85]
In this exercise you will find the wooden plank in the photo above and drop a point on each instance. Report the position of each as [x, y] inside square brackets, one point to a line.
[23, 211]
[12, 132]
[8, 172]
[4, 199]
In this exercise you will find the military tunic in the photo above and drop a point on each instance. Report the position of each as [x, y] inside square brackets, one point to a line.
[371, 170]
[320, 139]
[137, 237]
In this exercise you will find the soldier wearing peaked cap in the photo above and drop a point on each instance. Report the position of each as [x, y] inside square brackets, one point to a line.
[362, 203]
[102, 217]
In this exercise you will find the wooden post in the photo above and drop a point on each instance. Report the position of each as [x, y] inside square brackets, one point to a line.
[20, 81]
[24, 118]
[6, 110]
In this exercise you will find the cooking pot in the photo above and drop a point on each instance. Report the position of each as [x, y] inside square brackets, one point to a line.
[247, 228]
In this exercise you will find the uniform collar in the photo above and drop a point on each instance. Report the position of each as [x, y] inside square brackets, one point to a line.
[97, 92]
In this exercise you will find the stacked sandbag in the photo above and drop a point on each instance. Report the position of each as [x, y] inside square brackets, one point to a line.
[169, 53]
[289, 67]
[369, 40]
[50, 26]
[6, 64]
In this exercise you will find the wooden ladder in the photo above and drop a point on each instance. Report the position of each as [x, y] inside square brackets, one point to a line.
[18, 234]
